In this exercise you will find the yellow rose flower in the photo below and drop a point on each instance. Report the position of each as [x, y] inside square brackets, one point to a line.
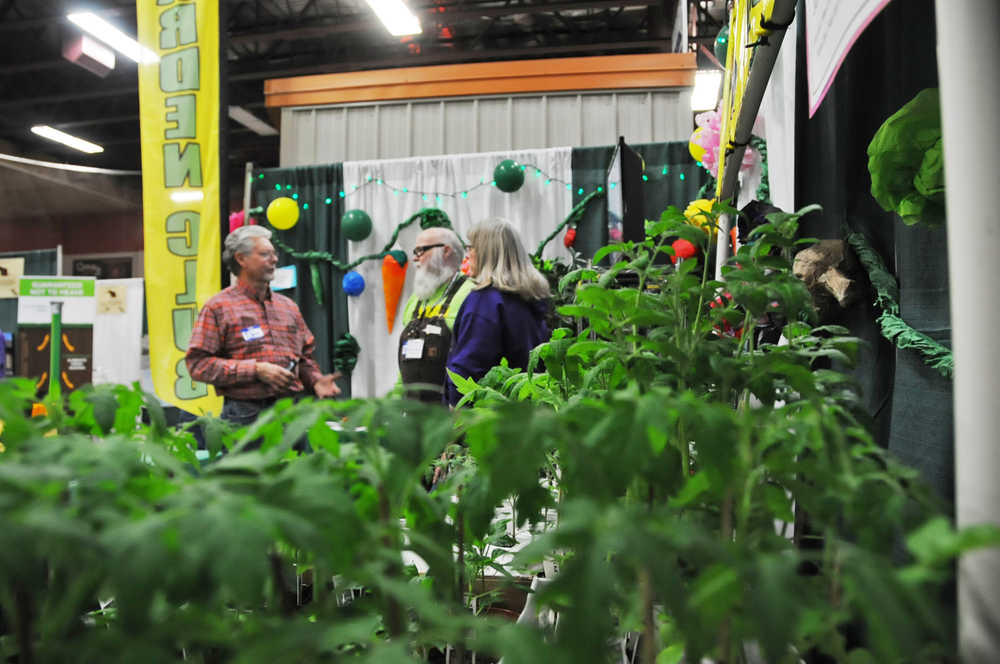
[699, 213]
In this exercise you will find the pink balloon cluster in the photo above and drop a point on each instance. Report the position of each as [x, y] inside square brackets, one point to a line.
[707, 137]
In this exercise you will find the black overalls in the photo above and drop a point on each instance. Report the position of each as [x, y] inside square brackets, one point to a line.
[423, 347]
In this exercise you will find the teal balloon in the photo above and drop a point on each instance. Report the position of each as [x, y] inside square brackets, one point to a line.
[508, 175]
[353, 283]
[356, 225]
[722, 44]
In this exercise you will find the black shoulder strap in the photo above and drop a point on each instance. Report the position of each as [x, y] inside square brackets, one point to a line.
[456, 285]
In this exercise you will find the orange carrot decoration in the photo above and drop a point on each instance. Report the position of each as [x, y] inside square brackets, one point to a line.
[393, 277]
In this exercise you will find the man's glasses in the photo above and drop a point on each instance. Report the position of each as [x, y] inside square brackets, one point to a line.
[421, 250]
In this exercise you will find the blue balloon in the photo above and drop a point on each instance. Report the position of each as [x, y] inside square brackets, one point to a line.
[353, 283]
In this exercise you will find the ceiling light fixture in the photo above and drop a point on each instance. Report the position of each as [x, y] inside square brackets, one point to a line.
[187, 196]
[251, 121]
[396, 17]
[706, 90]
[90, 54]
[113, 37]
[52, 134]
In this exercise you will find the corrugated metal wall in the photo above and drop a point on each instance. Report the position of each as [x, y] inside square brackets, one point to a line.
[351, 132]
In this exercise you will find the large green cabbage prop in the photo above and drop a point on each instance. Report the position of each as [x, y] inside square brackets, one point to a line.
[906, 162]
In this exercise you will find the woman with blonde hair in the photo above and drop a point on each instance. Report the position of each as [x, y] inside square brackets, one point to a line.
[504, 315]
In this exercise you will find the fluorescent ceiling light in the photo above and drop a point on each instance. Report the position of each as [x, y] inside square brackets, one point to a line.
[113, 37]
[48, 132]
[251, 121]
[187, 196]
[396, 17]
[705, 96]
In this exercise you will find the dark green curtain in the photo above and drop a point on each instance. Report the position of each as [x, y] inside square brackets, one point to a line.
[317, 191]
[890, 63]
[673, 178]
[41, 262]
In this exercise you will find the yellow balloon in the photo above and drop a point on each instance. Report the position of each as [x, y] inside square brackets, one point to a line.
[283, 213]
[697, 151]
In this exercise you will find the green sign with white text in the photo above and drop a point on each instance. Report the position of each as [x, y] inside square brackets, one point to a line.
[56, 287]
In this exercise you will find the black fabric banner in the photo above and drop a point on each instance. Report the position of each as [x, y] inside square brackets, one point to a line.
[678, 186]
[318, 229]
[891, 62]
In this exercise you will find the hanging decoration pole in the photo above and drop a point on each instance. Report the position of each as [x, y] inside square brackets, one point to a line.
[755, 36]
[967, 33]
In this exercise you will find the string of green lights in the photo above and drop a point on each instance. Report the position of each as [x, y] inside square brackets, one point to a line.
[656, 174]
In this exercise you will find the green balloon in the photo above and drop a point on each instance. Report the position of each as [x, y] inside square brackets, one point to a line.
[722, 44]
[508, 175]
[356, 225]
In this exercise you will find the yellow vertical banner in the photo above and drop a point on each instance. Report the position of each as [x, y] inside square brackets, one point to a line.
[179, 116]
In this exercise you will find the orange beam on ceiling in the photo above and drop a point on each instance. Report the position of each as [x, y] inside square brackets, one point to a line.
[610, 72]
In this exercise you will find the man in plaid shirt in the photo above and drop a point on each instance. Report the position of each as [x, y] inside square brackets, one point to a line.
[250, 343]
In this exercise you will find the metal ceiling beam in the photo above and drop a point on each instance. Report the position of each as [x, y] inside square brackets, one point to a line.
[451, 56]
[364, 22]
[24, 67]
[69, 96]
[435, 57]
[20, 24]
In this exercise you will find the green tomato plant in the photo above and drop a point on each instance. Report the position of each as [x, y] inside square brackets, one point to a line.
[719, 487]
[712, 488]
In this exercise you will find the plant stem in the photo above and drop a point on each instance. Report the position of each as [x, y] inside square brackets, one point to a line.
[460, 588]
[25, 625]
[285, 600]
[648, 623]
[701, 293]
[393, 611]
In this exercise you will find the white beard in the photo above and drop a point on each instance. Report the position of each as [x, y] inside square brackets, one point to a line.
[431, 274]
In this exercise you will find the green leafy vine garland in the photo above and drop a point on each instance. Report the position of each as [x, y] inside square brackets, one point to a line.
[572, 218]
[893, 327]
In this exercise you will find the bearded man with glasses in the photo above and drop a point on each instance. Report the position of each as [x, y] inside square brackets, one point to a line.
[439, 289]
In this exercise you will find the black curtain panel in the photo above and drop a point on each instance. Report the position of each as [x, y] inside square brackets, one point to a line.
[317, 190]
[671, 178]
[891, 62]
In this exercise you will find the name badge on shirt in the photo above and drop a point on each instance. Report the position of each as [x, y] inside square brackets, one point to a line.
[413, 349]
[252, 332]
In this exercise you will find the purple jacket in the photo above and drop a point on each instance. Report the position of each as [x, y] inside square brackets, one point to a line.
[491, 325]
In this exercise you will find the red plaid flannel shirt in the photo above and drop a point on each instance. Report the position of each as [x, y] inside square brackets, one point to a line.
[220, 354]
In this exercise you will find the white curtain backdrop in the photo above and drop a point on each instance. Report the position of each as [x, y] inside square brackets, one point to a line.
[777, 120]
[536, 209]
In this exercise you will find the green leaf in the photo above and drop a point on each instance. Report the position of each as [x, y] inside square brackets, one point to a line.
[607, 250]
[672, 654]
[696, 485]
[464, 385]
[778, 502]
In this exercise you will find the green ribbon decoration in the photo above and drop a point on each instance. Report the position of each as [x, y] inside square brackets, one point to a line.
[428, 217]
[764, 188]
[708, 189]
[345, 353]
[433, 218]
[317, 283]
[573, 218]
[892, 326]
